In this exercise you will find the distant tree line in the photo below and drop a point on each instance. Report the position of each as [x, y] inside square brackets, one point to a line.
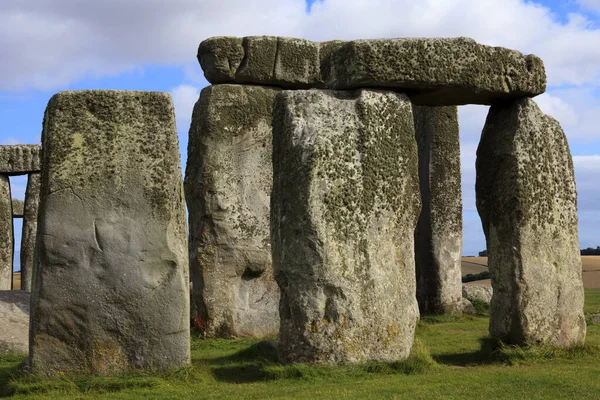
[590, 251]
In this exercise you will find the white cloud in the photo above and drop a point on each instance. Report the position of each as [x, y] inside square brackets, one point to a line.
[184, 98]
[49, 43]
[592, 5]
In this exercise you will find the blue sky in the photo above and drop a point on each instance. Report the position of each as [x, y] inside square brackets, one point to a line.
[48, 46]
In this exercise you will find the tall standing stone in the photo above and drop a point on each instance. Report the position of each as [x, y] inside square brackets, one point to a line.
[30, 213]
[111, 290]
[6, 234]
[438, 237]
[527, 201]
[345, 203]
[228, 184]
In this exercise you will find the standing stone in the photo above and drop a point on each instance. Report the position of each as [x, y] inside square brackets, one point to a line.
[111, 290]
[17, 208]
[344, 207]
[6, 234]
[30, 213]
[438, 237]
[228, 184]
[527, 201]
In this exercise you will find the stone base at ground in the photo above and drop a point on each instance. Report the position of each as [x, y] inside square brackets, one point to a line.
[228, 183]
[344, 206]
[14, 322]
[527, 201]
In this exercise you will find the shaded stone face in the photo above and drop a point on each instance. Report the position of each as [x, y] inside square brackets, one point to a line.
[433, 71]
[19, 159]
[527, 201]
[30, 213]
[228, 186]
[6, 234]
[344, 206]
[111, 290]
[17, 208]
[438, 237]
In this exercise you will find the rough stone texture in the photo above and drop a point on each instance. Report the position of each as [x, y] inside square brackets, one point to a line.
[482, 293]
[450, 71]
[438, 237]
[17, 208]
[14, 329]
[19, 159]
[344, 207]
[111, 289]
[527, 201]
[6, 234]
[228, 186]
[32, 199]
[434, 71]
[268, 60]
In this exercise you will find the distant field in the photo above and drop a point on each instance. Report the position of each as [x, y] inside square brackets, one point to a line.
[17, 281]
[591, 269]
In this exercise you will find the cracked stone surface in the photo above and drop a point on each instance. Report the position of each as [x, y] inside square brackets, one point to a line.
[111, 291]
[344, 207]
[527, 201]
[228, 183]
[432, 71]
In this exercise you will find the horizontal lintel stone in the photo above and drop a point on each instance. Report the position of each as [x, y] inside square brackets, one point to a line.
[432, 71]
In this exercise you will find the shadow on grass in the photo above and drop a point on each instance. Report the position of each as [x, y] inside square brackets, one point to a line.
[487, 354]
[10, 367]
[257, 364]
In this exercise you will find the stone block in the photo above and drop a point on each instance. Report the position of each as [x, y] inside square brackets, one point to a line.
[14, 329]
[6, 234]
[344, 207]
[19, 159]
[17, 208]
[527, 201]
[111, 291]
[438, 237]
[28, 238]
[228, 187]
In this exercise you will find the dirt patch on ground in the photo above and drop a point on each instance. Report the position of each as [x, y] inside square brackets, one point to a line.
[591, 270]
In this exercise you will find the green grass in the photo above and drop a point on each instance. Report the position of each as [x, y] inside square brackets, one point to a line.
[452, 359]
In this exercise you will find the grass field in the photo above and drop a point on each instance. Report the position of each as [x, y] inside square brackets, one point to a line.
[453, 360]
[590, 268]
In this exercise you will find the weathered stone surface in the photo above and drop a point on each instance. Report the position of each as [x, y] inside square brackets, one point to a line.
[6, 234]
[111, 290]
[228, 186]
[434, 71]
[482, 293]
[344, 206]
[268, 60]
[14, 329]
[17, 208]
[19, 159]
[450, 71]
[527, 201]
[32, 199]
[438, 237]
